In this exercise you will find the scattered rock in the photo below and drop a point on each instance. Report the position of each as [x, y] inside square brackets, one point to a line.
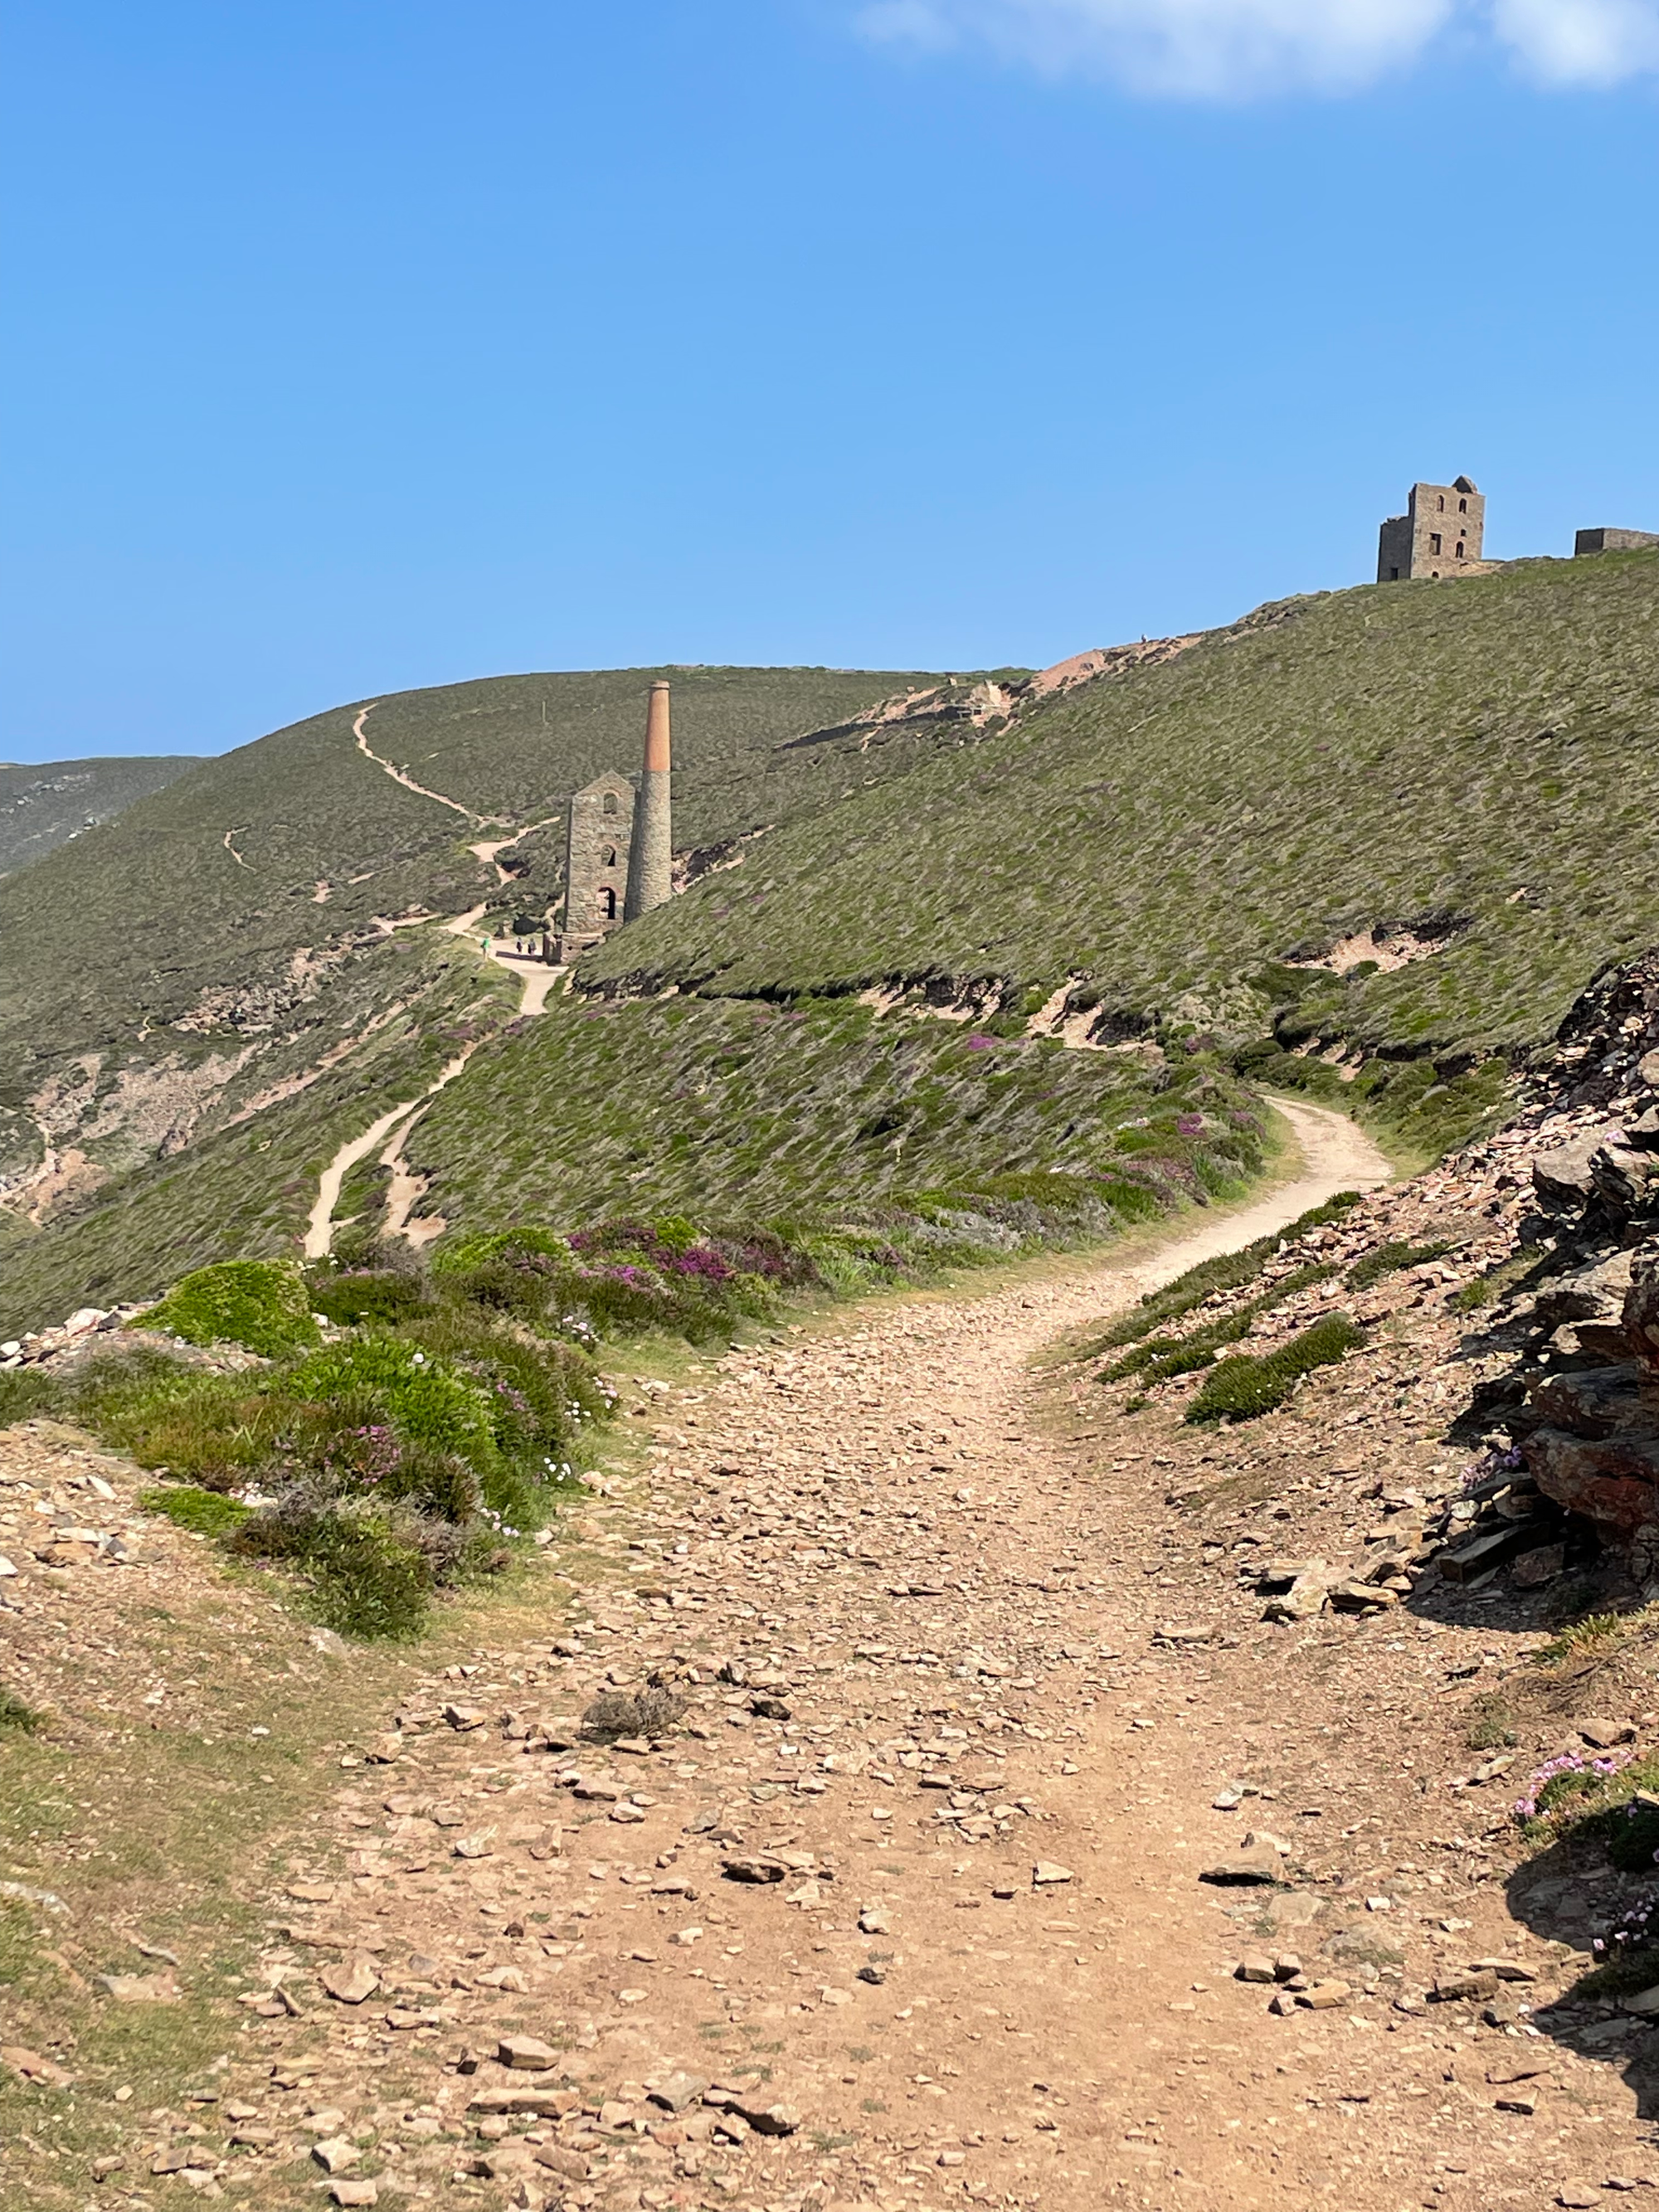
[1244, 1867]
[351, 1981]
[140, 1988]
[1459, 1988]
[1603, 1736]
[526, 2054]
[754, 1870]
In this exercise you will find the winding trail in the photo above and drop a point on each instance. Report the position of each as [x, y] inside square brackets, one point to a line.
[401, 775]
[536, 979]
[408, 1186]
[875, 1514]
[489, 849]
[320, 1225]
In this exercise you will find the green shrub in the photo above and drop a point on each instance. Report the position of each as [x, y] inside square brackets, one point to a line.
[367, 1578]
[1491, 1723]
[1633, 1839]
[1485, 1290]
[390, 1379]
[261, 1305]
[22, 1719]
[1241, 1389]
[217, 1431]
[25, 1392]
[1161, 1358]
[539, 1399]
[1228, 1271]
[369, 1297]
[1387, 1260]
[203, 1512]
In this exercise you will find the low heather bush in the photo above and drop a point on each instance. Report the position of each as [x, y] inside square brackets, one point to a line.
[1242, 1389]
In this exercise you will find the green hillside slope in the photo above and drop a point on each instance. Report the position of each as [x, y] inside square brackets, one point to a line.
[1403, 823]
[220, 936]
[1480, 759]
[46, 806]
[735, 1110]
[730, 1112]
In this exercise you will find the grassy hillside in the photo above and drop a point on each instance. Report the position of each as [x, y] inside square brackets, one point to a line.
[219, 936]
[46, 806]
[1448, 793]
[730, 1112]
[734, 1109]
[1467, 757]
[245, 1188]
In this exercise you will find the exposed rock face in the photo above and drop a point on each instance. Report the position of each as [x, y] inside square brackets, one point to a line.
[1588, 1422]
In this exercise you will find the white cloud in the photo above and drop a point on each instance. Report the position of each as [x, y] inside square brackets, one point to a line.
[1587, 42]
[1239, 49]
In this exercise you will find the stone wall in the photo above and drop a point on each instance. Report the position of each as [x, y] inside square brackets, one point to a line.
[1393, 549]
[597, 846]
[1612, 541]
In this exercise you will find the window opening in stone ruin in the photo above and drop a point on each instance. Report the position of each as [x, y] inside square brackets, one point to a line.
[1441, 502]
[608, 858]
[1434, 541]
[1460, 549]
[1394, 576]
[611, 802]
[607, 904]
[1462, 507]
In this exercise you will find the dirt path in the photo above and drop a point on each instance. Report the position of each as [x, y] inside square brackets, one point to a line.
[406, 1188]
[320, 1225]
[536, 978]
[401, 775]
[932, 1694]
[490, 849]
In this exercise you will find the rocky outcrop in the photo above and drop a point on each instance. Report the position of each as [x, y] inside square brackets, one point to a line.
[1583, 1403]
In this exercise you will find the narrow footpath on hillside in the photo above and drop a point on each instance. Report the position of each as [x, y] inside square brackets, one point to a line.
[402, 777]
[396, 1123]
[904, 1905]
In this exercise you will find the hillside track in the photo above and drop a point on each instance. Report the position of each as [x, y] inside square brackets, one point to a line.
[321, 1223]
[402, 776]
[989, 1966]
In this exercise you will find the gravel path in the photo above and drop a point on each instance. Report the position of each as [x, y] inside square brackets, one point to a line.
[907, 1624]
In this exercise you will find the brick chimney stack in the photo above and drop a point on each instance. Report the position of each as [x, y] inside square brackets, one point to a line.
[650, 852]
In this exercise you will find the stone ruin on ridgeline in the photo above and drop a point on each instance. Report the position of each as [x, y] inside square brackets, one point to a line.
[619, 846]
[1442, 532]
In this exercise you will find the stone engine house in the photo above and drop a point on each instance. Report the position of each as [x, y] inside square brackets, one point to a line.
[1440, 534]
[598, 843]
[619, 847]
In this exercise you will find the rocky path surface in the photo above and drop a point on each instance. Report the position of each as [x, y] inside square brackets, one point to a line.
[904, 1905]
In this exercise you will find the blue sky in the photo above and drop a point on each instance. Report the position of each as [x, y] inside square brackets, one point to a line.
[355, 344]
